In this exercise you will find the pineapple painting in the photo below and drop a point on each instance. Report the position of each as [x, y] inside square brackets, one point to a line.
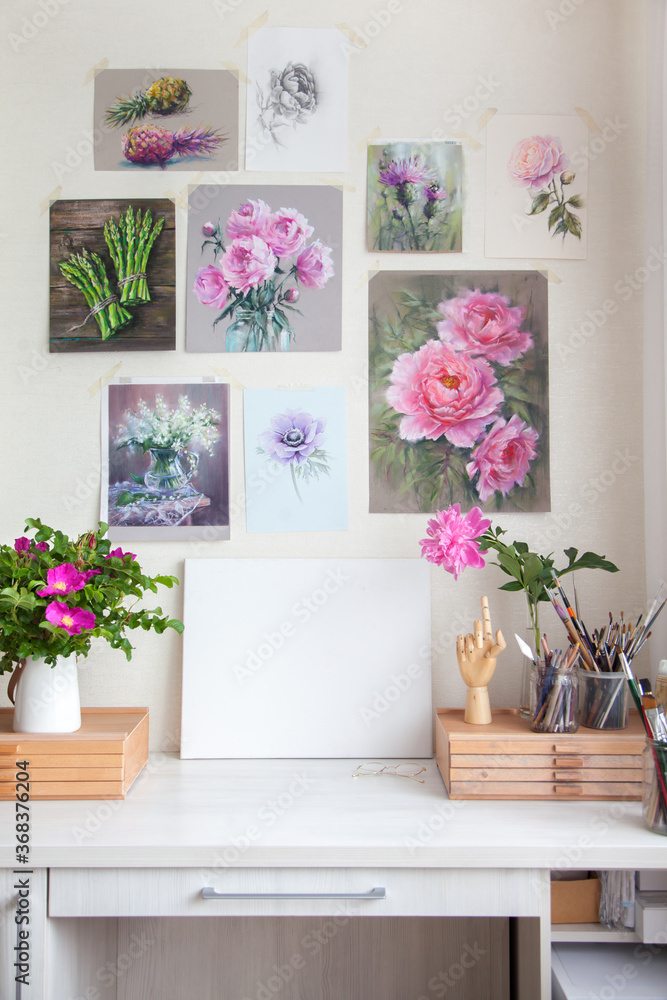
[167, 96]
[166, 119]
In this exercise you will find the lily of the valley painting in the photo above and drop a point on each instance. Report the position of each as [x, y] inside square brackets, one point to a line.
[458, 391]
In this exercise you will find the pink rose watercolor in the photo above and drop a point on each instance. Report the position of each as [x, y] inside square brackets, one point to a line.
[314, 266]
[292, 437]
[452, 541]
[287, 232]
[503, 457]
[247, 262]
[210, 287]
[249, 220]
[73, 620]
[443, 392]
[484, 323]
[535, 161]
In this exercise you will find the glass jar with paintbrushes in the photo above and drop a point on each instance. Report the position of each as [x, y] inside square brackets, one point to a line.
[554, 700]
[654, 781]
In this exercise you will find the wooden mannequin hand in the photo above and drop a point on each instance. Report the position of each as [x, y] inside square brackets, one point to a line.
[477, 654]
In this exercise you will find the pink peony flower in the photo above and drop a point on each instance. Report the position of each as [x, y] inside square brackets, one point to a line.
[63, 580]
[535, 161]
[286, 232]
[484, 323]
[442, 391]
[119, 554]
[249, 220]
[503, 458]
[406, 171]
[314, 266]
[247, 262]
[293, 437]
[210, 287]
[73, 620]
[452, 541]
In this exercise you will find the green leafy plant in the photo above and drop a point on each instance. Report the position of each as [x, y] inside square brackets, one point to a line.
[58, 594]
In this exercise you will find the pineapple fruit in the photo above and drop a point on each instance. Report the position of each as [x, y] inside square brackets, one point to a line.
[149, 144]
[166, 96]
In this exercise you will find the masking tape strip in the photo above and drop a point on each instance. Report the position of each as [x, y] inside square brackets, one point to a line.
[94, 70]
[468, 140]
[367, 275]
[588, 120]
[375, 134]
[484, 119]
[228, 377]
[252, 28]
[54, 196]
[336, 184]
[356, 39]
[101, 382]
[550, 275]
[238, 73]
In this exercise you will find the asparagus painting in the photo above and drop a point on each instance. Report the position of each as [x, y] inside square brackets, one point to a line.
[86, 271]
[130, 242]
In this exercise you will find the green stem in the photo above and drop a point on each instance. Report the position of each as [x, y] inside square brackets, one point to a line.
[296, 488]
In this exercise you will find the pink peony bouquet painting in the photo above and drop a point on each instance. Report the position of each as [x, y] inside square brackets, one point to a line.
[458, 391]
[263, 268]
[539, 164]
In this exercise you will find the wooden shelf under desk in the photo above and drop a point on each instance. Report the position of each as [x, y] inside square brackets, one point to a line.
[507, 760]
[99, 761]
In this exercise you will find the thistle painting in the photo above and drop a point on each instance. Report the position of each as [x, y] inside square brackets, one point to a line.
[415, 196]
[458, 391]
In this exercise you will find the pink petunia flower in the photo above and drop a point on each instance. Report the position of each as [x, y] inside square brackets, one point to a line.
[247, 262]
[210, 287]
[535, 161]
[73, 620]
[292, 437]
[484, 323]
[286, 232]
[443, 392]
[63, 580]
[250, 219]
[412, 170]
[503, 457]
[452, 541]
[314, 266]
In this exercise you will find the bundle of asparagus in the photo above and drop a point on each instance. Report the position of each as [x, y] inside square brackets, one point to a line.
[86, 271]
[130, 242]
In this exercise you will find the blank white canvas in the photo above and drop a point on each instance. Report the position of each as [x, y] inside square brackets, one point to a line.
[307, 658]
[319, 143]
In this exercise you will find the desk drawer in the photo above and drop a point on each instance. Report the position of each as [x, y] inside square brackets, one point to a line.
[174, 892]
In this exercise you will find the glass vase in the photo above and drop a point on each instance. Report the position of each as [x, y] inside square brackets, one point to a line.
[554, 699]
[654, 786]
[166, 473]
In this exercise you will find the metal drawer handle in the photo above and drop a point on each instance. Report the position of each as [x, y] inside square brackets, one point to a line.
[378, 893]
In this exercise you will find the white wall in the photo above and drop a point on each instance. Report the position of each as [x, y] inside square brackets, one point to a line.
[550, 56]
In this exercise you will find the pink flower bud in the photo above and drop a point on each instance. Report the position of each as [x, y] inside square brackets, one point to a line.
[291, 295]
[209, 229]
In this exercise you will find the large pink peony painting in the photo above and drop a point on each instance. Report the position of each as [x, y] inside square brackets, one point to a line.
[458, 391]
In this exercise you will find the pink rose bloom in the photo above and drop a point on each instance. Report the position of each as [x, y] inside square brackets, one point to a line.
[247, 262]
[503, 458]
[249, 220]
[119, 554]
[22, 544]
[536, 161]
[210, 287]
[452, 541]
[484, 323]
[286, 232]
[73, 620]
[63, 580]
[314, 266]
[441, 391]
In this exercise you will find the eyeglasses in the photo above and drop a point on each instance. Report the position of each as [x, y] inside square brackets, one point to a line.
[406, 770]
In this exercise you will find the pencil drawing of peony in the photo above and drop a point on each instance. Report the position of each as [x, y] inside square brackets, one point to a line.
[290, 99]
[539, 163]
[458, 404]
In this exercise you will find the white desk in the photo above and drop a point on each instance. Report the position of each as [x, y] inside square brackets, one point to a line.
[296, 827]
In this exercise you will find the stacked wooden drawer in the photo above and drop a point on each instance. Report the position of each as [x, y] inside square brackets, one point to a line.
[506, 760]
[99, 761]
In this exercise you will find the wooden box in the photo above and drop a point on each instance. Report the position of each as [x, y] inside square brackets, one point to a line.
[99, 761]
[576, 901]
[506, 760]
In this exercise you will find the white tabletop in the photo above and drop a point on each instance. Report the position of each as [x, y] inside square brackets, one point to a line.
[313, 813]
